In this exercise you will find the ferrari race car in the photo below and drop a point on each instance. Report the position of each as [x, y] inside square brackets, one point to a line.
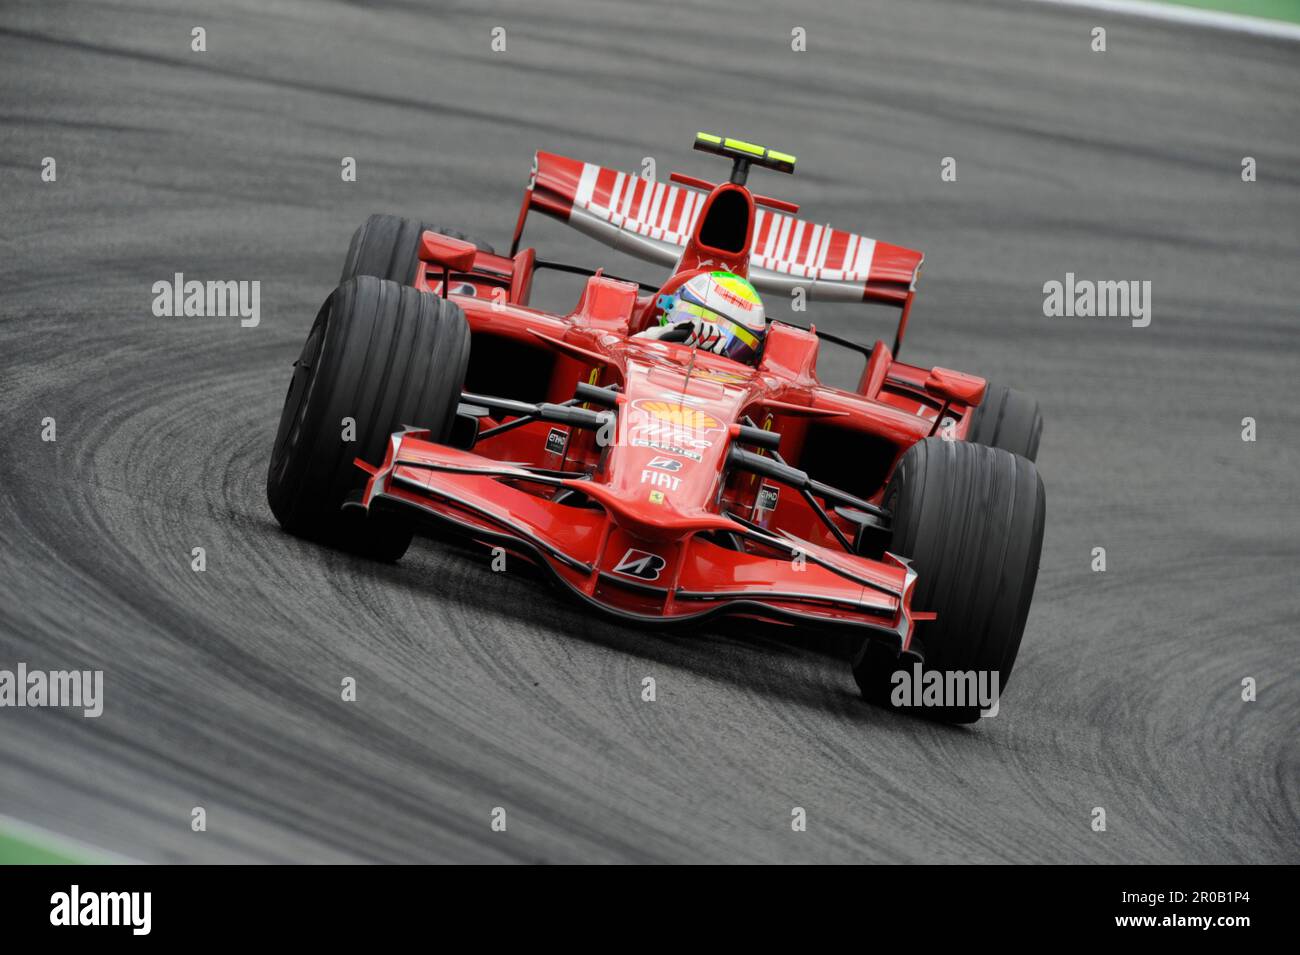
[655, 479]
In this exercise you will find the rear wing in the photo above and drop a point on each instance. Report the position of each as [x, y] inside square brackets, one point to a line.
[653, 221]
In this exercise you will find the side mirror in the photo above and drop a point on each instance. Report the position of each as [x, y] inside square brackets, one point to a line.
[454, 255]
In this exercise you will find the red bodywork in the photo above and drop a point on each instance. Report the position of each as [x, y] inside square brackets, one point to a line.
[649, 522]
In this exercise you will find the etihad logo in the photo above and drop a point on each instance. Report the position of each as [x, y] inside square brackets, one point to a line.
[680, 415]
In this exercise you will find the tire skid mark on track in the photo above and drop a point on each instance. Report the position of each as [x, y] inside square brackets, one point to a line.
[479, 689]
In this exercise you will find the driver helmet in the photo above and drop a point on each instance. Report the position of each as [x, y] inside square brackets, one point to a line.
[727, 301]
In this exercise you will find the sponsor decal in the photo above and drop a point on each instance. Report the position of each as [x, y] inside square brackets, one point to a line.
[662, 435]
[680, 415]
[638, 563]
[656, 497]
[767, 498]
[670, 424]
[665, 464]
[660, 479]
[667, 449]
[556, 441]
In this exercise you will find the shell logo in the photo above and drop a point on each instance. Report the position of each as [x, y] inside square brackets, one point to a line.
[681, 415]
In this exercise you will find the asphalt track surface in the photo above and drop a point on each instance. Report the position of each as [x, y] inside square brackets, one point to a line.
[479, 690]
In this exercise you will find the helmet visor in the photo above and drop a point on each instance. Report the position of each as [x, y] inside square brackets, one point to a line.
[741, 343]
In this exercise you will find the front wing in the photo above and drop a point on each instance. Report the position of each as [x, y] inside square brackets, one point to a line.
[609, 553]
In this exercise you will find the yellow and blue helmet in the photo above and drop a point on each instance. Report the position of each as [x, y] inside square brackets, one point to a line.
[727, 301]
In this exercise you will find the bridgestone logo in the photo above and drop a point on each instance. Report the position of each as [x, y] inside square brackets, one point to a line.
[637, 563]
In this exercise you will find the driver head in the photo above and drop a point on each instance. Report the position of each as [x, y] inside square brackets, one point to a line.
[726, 300]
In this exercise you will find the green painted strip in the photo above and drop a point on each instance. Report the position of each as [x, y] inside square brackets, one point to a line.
[24, 844]
[16, 851]
[1288, 10]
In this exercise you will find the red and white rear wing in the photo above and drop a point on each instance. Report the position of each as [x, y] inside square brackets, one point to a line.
[653, 221]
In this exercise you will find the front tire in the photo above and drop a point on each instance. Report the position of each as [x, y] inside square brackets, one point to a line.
[378, 357]
[971, 520]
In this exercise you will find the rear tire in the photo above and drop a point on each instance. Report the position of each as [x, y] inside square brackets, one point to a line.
[971, 520]
[1007, 419]
[385, 356]
[388, 247]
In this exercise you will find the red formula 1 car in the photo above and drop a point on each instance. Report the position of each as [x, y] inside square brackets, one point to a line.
[653, 479]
